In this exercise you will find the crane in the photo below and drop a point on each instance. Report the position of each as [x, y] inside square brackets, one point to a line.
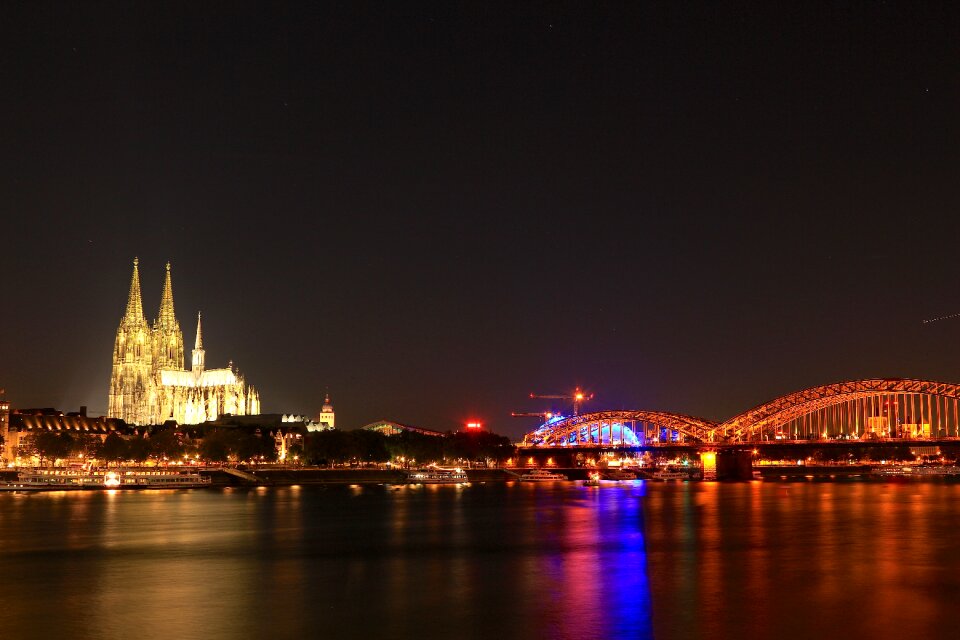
[578, 396]
[543, 415]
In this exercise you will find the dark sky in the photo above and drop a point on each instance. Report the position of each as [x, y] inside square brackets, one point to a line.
[433, 210]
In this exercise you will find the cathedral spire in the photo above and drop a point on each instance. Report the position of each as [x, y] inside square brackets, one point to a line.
[198, 350]
[199, 343]
[167, 318]
[134, 303]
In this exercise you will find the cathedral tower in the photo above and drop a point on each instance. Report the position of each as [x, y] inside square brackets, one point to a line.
[131, 381]
[167, 337]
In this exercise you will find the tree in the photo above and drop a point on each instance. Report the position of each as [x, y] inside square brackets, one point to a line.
[478, 446]
[367, 446]
[53, 445]
[165, 445]
[215, 447]
[295, 454]
[113, 449]
[326, 447]
[138, 449]
[410, 445]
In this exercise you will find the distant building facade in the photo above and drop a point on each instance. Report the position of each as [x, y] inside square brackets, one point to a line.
[22, 426]
[325, 419]
[4, 418]
[149, 384]
[391, 428]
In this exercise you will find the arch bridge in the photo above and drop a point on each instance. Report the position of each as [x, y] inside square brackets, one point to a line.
[626, 428]
[875, 408]
[872, 408]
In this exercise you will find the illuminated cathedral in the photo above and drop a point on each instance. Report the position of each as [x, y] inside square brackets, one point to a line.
[149, 384]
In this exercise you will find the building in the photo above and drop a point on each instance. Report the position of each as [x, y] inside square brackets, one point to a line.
[325, 419]
[4, 417]
[149, 384]
[391, 428]
[23, 425]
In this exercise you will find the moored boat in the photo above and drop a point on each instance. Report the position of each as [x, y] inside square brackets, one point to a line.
[593, 480]
[542, 475]
[437, 476]
[62, 479]
[669, 473]
[916, 471]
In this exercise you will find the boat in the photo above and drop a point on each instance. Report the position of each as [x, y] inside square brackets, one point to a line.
[619, 474]
[437, 476]
[61, 479]
[669, 473]
[542, 475]
[593, 480]
[916, 471]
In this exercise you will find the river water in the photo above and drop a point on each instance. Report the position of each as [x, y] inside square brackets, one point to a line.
[631, 560]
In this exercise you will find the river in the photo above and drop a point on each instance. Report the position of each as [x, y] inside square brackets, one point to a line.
[850, 559]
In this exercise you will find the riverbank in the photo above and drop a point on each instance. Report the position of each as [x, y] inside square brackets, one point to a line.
[801, 471]
[287, 477]
[278, 476]
[275, 476]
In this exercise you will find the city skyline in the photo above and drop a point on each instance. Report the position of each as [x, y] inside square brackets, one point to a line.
[432, 213]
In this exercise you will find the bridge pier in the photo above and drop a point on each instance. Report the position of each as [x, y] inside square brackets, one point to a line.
[735, 464]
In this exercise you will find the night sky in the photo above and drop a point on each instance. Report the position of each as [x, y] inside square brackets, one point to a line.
[433, 210]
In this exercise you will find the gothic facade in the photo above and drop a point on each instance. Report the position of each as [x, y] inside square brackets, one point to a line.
[149, 384]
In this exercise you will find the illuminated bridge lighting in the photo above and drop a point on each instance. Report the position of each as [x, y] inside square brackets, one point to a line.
[621, 428]
[878, 408]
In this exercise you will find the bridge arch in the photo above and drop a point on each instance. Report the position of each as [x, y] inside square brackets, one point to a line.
[857, 408]
[617, 427]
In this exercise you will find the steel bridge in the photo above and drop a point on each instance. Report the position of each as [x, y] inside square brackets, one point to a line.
[876, 408]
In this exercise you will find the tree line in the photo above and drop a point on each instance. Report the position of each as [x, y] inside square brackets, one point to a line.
[163, 445]
[333, 447]
[407, 448]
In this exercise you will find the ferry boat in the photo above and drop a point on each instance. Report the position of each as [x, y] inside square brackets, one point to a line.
[60, 479]
[916, 471]
[669, 473]
[593, 480]
[542, 475]
[437, 476]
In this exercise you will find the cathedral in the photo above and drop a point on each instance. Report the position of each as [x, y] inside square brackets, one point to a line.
[149, 384]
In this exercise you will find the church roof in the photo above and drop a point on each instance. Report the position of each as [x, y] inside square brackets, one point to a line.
[209, 378]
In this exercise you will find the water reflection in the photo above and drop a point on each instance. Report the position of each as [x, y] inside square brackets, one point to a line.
[437, 562]
[752, 560]
[803, 560]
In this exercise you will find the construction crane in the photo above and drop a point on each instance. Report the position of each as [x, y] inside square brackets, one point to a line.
[543, 415]
[578, 397]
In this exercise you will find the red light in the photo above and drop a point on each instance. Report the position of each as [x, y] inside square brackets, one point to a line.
[474, 425]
